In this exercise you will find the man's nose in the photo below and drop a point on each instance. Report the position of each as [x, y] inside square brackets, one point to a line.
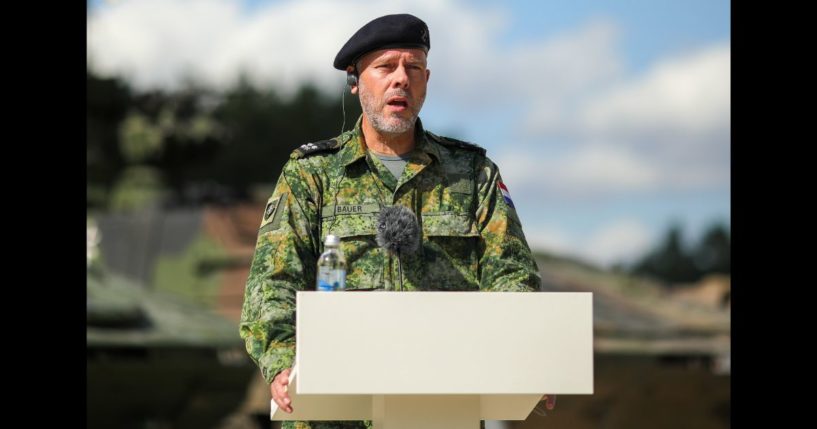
[400, 77]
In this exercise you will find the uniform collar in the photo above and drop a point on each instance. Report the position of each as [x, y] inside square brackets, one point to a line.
[354, 147]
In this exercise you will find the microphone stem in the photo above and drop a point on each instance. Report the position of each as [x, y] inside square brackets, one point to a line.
[400, 269]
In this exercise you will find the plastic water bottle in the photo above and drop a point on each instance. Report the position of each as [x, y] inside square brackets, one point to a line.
[331, 266]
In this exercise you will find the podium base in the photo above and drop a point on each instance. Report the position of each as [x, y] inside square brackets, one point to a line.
[425, 411]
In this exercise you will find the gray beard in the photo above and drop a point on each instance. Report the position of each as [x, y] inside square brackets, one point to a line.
[390, 125]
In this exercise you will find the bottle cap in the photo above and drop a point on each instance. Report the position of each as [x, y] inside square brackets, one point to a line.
[332, 240]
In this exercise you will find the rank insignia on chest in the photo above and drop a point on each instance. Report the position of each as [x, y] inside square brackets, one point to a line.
[505, 194]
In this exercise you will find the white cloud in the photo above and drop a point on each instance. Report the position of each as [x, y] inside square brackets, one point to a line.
[471, 69]
[157, 43]
[583, 172]
[620, 241]
[686, 97]
[607, 168]
[547, 238]
[667, 129]
[160, 43]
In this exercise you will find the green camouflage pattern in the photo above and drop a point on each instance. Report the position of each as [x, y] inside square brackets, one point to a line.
[472, 239]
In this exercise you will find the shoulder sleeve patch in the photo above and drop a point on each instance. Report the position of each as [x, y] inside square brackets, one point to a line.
[272, 213]
[448, 141]
[312, 148]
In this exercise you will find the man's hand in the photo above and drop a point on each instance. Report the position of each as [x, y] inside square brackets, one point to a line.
[278, 388]
[550, 401]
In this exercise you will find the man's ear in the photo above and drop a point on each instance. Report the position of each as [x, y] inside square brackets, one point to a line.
[352, 86]
[428, 74]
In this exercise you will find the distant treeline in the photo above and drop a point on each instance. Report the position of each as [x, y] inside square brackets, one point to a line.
[674, 262]
[195, 146]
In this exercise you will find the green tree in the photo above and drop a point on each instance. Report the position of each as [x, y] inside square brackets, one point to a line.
[713, 252]
[195, 146]
[670, 261]
[263, 128]
[107, 103]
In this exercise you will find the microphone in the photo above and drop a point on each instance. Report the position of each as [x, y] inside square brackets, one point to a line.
[398, 232]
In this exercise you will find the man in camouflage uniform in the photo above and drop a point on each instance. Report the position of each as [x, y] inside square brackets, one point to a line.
[471, 236]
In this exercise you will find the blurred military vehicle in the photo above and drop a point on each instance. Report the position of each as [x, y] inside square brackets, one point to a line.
[155, 360]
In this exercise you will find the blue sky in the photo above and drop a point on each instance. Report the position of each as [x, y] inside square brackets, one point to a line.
[653, 28]
[609, 120]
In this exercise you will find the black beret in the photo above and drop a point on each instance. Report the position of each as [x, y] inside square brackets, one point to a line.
[390, 31]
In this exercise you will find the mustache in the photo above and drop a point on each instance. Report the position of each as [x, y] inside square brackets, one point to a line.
[397, 93]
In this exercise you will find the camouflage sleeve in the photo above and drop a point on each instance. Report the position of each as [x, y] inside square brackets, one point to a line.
[506, 262]
[283, 263]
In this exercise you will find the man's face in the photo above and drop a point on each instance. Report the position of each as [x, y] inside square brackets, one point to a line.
[392, 88]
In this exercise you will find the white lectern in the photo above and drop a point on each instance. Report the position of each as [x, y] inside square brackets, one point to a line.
[437, 360]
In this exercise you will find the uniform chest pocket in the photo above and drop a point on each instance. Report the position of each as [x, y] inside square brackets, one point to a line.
[349, 225]
[449, 224]
[355, 230]
[451, 245]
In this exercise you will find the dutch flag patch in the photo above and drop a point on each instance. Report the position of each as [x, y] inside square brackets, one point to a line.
[505, 194]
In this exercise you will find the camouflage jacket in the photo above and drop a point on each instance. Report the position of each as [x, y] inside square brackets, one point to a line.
[471, 235]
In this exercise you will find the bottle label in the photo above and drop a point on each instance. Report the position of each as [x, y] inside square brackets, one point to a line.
[331, 279]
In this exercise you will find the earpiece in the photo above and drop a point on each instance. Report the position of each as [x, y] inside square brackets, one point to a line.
[351, 80]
